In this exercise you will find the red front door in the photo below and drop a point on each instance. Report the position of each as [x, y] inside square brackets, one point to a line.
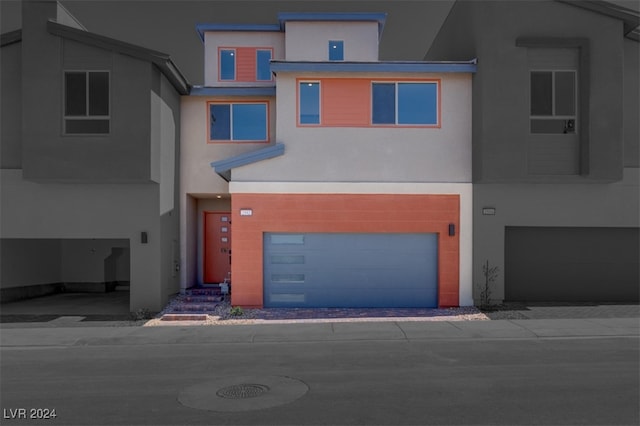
[217, 246]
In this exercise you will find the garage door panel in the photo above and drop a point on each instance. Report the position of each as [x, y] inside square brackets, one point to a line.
[350, 270]
[572, 264]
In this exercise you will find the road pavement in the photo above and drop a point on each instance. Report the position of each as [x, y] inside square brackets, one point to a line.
[561, 371]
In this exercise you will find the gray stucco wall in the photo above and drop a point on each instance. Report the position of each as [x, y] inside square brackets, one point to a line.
[489, 30]
[31, 267]
[26, 262]
[631, 103]
[565, 205]
[166, 137]
[55, 196]
[47, 154]
[10, 107]
[83, 260]
[122, 155]
[608, 196]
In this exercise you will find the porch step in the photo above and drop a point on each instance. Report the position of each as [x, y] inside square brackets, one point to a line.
[203, 291]
[184, 317]
[193, 307]
[202, 299]
[196, 304]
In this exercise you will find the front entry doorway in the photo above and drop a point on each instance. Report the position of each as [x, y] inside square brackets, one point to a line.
[217, 246]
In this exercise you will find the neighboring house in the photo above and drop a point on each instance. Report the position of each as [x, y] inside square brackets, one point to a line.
[329, 177]
[89, 156]
[556, 178]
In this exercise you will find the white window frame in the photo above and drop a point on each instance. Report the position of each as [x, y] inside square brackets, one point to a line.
[265, 49]
[553, 115]
[235, 63]
[231, 135]
[87, 116]
[299, 95]
[396, 83]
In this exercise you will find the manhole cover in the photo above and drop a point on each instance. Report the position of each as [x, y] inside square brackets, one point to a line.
[242, 391]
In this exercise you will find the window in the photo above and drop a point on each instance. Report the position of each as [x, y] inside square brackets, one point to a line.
[238, 122]
[410, 103]
[263, 65]
[384, 103]
[245, 64]
[309, 104]
[553, 101]
[336, 50]
[227, 64]
[86, 102]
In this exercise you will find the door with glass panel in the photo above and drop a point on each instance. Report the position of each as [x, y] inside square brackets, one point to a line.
[553, 141]
[217, 247]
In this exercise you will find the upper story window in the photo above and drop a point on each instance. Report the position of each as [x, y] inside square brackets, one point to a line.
[553, 101]
[362, 102]
[86, 102]
[263, 64]
[238, 121]
[309, 102]
[245, 64]
[336, 50]
[557, 86]
[404, 103]
[227, 64]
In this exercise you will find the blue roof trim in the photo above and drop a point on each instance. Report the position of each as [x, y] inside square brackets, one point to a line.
[233, 91]
[380, 18]
[468, 66]
[202, 28]
[223, 167]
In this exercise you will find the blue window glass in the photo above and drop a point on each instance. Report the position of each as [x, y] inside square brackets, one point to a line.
[309, 103]
[220, 122]
[227, 65]
[238, 122]
[250, 122]
[417, 103]
[336, 50]
[263, 66]
[383, 103]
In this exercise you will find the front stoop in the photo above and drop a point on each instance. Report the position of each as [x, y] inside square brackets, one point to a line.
[197, 304]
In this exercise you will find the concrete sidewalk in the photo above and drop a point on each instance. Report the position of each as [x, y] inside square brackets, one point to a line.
[20, 338]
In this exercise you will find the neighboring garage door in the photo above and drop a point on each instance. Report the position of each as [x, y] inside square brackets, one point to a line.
[572, 264]
[350, 270]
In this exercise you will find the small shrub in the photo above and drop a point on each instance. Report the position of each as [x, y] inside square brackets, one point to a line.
[236, 311]
[490, 274]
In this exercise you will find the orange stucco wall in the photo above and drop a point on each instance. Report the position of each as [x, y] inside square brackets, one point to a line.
[340, 213]
[346, 102]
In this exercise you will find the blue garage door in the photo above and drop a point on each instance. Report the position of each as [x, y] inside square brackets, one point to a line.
[350, 270]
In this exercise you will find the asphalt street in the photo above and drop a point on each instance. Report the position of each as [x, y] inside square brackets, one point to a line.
[578, 372]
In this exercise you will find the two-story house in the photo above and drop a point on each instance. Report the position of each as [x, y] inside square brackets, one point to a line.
[88, 167]
[313, 174]
[556, 178]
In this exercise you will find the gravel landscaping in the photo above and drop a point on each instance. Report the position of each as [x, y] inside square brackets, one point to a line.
[223, 314]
